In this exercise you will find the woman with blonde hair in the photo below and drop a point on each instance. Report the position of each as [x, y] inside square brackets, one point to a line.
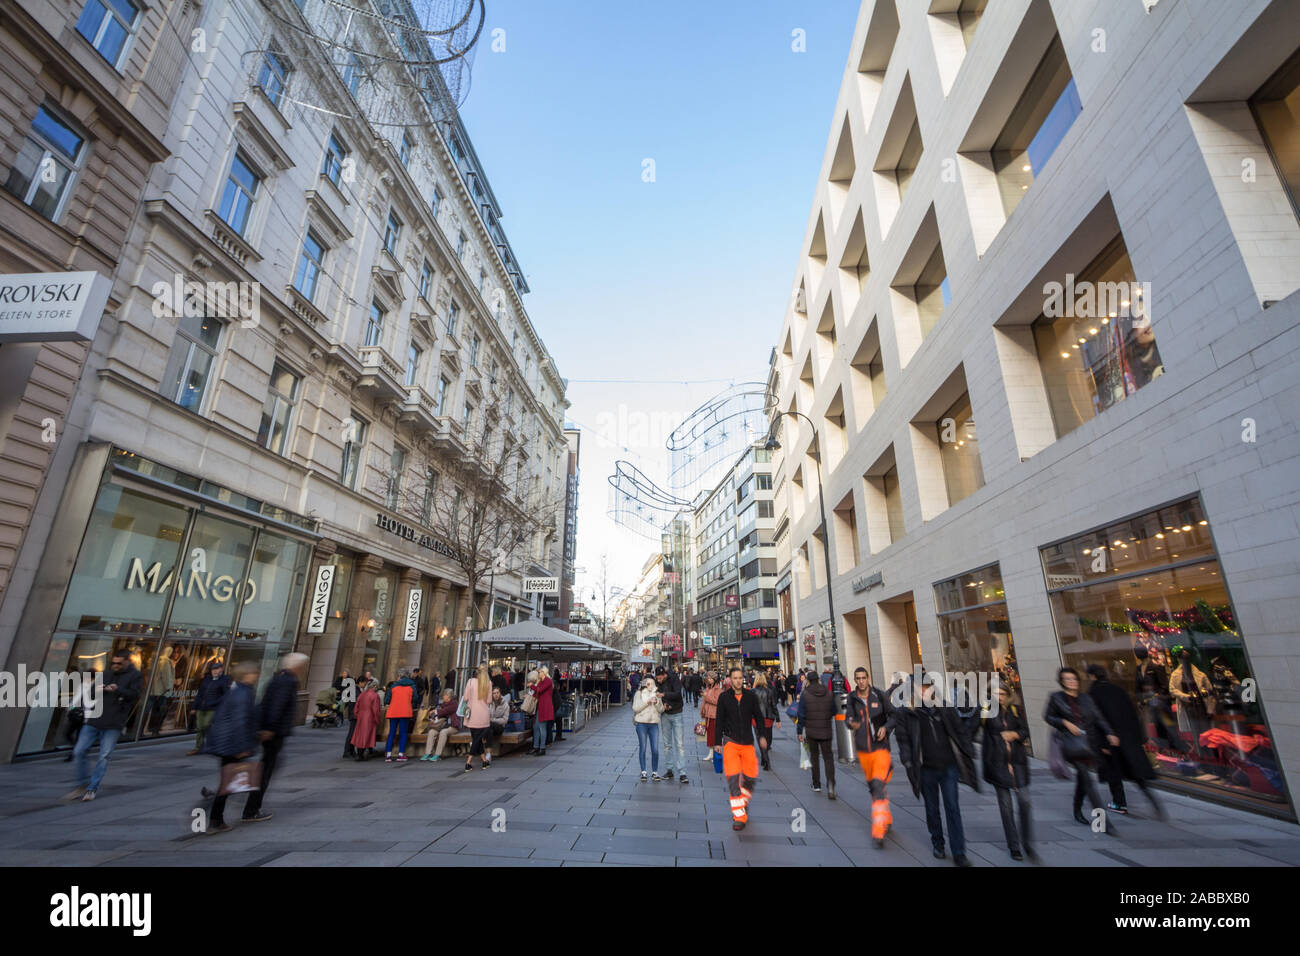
[478, 719]
[545, 711]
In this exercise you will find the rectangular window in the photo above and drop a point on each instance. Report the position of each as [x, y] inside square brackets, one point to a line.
[189, 368]
[1146, 599]
[510, 400]
[1276, 106]
[396, 464]
[277, 413]
[975, 633]
[273, 77]
[413, 356]
[467, 419]
[1046, 111]
[335, 156]
[492, 374]
[453, 312]
[426, 280]
[392, 233]
[408, 147]
[309, 266]
[239, 195]
[1106, 351]
[375, 324]
[474, 344]
[108, 24]
[352, 73]
[355, 429]
[893, 504]
[959, 451]
[45, 167]
[932, 292]
[440, 400]
[482, 280]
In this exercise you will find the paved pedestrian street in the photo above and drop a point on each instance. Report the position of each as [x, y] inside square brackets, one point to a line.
[582, 804]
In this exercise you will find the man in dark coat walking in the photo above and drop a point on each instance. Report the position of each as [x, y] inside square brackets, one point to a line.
[279, 713]
[1128, 761]
[816, 725]
[120, 691]
[936, 749]
[233, 735]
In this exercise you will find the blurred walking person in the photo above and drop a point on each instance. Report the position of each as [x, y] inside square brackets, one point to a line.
[1081, 733]
[214, 684]
[477, 693]
[122, 686]
[870, 717]
[1127, 760]
[816, 727]
[771, 716]
[400, 704]
[366, 716]
[278, 716]
[738, 716]
[1006, 767]
[645, 717]
[233, 735]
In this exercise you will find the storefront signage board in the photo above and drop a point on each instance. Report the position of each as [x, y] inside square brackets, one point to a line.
[413, 615]
[52, 306]
[320, 599]
[542, 586]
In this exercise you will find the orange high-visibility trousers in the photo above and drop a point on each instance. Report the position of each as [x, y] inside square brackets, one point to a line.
[740, 766]
[876, 767]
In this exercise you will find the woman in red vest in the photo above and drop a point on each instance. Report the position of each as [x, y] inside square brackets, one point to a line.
[400, 700]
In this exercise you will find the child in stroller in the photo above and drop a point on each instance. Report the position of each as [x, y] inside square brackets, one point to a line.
[328, 711]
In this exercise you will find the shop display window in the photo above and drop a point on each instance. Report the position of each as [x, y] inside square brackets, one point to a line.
[1145, 598]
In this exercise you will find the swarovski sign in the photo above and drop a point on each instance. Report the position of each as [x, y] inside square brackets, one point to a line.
[52, 306]
[320, 599]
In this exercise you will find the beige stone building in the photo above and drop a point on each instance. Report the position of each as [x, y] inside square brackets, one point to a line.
[1045, 327]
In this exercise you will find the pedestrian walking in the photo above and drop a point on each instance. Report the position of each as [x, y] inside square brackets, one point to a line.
[554, 730]
[421, 688]
[366, 717]
[935, 747]
[442, 723]
[670, 722]
[1006, 768]
[278, 716]
[474, 705]
[871, 718]
[214, 684]
[118, 696]
[771, 716]
[233, 735]
[1081, 732]
[709, 713]
[738, 716]
[399, 702]
[1128, 759]
[646, 707]
[545, 712]
[816, 728]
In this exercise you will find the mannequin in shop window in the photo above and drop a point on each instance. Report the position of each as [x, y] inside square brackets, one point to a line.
[1191, 689]
[164, 679]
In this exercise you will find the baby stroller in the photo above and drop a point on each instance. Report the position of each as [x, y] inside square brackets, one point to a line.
[328, 711]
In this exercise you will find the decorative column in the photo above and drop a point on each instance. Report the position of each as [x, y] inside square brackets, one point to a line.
[431, 648]
[403, 653]
[321, 669]
[361, 603]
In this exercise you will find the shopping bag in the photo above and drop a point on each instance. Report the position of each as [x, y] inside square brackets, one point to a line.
[717, 762]
[700, 731]
[240, 777]
[1056, 759]
[805, 761]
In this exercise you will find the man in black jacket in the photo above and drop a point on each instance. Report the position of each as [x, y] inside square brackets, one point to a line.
[816, 726]
[935, 745]
[120, 691]
[279, 713]
[670, 722]
[738, 715]
[1128, 760]
[871, 718]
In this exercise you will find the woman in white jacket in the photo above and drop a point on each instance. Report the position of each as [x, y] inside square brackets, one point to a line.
[645, 715]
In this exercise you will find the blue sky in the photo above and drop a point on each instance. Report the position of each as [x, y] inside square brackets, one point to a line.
[682, 279]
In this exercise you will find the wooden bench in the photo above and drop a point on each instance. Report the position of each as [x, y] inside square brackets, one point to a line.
[509, 740]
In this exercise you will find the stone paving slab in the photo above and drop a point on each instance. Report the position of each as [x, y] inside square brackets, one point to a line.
[582, 804]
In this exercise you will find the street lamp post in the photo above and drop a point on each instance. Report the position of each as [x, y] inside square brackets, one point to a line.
[843, 740]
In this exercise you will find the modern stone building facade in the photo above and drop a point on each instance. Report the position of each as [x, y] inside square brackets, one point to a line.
[1045, 324]
[281, 444]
